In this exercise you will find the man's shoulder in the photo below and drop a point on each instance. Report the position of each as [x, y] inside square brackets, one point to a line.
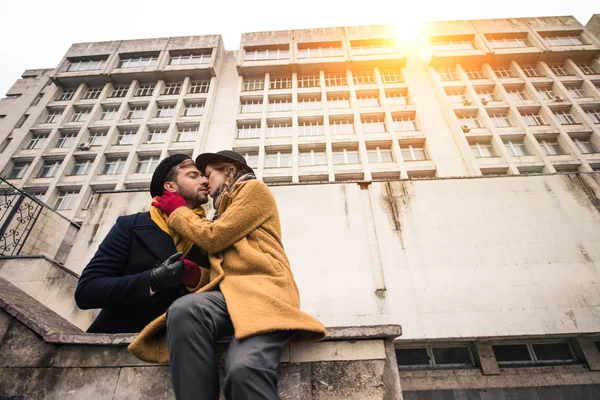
[135, 220]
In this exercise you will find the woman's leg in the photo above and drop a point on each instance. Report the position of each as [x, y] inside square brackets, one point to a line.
[251, 366]
[194, 323]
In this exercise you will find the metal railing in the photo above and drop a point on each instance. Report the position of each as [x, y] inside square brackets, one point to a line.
[18, 213]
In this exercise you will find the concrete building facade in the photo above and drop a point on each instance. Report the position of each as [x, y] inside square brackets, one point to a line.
[448, 183]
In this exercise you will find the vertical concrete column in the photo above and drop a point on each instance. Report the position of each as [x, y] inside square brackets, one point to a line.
[326, 125]
[487, 359]
[295, 130]
[590, 352]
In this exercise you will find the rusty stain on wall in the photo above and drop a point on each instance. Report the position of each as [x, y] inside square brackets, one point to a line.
[583, 193]
[346, 206]
[104, 205]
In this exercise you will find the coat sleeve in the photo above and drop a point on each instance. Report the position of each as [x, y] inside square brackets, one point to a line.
[248, 210]
[102, 283]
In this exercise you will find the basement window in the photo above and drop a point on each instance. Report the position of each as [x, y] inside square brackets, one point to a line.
[516, 354]
[438, 356]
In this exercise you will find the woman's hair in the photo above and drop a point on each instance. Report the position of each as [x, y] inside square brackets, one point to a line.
[232, 172]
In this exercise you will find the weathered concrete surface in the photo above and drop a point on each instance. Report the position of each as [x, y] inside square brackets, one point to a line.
[574, 392]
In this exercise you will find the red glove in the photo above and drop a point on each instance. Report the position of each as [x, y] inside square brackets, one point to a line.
[191, 274]
[169, 202]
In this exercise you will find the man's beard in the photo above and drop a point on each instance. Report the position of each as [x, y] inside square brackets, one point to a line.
[192, 198]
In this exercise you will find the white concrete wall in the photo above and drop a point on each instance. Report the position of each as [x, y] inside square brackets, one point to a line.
[443, 258]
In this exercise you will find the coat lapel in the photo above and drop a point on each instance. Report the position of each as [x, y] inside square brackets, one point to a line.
[158, 241]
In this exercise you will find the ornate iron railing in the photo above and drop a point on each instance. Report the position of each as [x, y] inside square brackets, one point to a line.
[18, 213]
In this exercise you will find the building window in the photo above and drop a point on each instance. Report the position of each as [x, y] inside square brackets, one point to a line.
[136, 111]
[576, 91]
[145, 90]
[92, 93]
[66, 140]
[363, 78]
[533, 353]
[251, 159]
[310, 103]
[470, 121]
[49, 169]
[109, 113]
[146, 165]
[397, 99]
[405, 123]
[546, 93]
[367, 100]
[565, 117]
[81, 114]
[251, 106]
[309, 81]
[310, 127]
[312, 157]
[508, 42]
[119, 91]
[193, 109]
[281, 53]
[345, 156]
[503, 72]
[280, 82]
[487, 94]
[126, 137]
[98, 138]
[317, 50]
[455, 95]
[373, 125]
[66, 94]
[368, 47]
[278, 159]
[341, 126]
[338, 101]
[137, 61]
[172, 89]
[448, 44]
[165, 111]
[280, 104]
[279, 129]
[85, 65]
[188, 133]
[248, 131]
[532, 119]
[380, 154]
[413, 153]
[37, 99]
[114, 166]
[554, 39]
[253, 84]
[482, 150]
[191, 58]
[585, 145]
[500, 119]
[199, 87]
[551, 147]
[157, 135]
[65, 200]
[335, 80]
[391, 77]
[37, 141]
[587, 68]
[593, 114]
[37, 194]
[435, 357]
[559, 70]
[18, 170]
[82, 167]
[516, 94]
[531, 71]
[515, 148]
[446, 75]
[474, 74]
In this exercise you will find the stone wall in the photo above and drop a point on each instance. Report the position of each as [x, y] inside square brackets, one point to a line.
[52, 235]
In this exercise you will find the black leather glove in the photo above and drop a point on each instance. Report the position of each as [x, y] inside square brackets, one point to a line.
[168, 274]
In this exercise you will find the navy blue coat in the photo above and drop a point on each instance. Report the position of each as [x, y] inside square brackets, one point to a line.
[117, 279]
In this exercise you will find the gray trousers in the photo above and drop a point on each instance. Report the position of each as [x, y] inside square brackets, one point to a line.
[194, 323]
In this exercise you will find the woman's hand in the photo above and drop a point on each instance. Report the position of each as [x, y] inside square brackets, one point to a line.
[191, 274]
[169, 202]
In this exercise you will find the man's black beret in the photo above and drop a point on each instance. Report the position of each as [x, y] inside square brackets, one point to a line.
[161, 171]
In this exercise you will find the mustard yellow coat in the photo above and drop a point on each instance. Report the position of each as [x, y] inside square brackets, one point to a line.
[248, 265]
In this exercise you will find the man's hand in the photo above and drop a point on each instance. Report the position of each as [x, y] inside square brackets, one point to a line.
[168, 274]
[191, 275]
[169, 202]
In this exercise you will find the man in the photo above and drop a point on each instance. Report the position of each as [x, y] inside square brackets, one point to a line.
[137, 273]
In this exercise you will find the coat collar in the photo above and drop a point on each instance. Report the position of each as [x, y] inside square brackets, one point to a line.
[158, 241]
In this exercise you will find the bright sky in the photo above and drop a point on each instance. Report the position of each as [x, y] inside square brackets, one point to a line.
[37, 33]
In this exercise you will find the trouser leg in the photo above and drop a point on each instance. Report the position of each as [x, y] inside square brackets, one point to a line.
[251, 366]
[194, 323]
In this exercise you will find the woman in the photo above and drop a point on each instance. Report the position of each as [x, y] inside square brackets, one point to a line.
[249, 266]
